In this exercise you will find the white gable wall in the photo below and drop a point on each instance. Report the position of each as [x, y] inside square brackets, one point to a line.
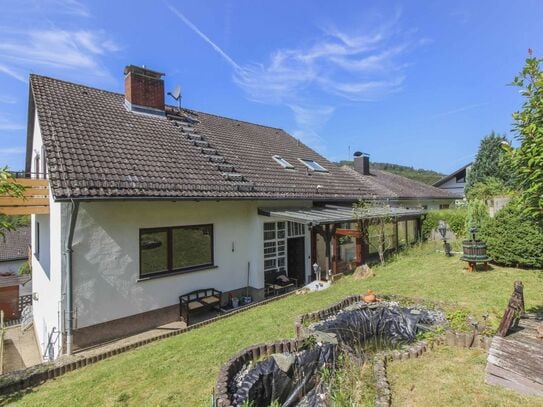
[47, 269]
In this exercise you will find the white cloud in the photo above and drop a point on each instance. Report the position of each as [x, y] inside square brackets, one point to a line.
[67, 7]
[339, 66]
[22, 51]
[9, 100]
[7, 124]
[12, 150]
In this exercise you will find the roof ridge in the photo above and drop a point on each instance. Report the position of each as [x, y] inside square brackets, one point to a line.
[166, 105]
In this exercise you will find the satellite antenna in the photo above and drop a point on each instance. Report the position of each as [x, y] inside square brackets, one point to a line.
[176, 94]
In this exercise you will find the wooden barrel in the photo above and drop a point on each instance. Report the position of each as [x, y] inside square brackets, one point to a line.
[474, 250]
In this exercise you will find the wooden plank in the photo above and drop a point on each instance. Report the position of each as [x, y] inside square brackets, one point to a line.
[516, 366]
[514, 309]
[29, 201]
[27, 182]
[24, 210]
[348, 232]
[499, 376]
[29, 191]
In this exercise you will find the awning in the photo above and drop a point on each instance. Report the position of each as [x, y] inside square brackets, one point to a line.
[319, 215]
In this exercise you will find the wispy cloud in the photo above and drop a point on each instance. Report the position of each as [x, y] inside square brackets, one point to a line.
[54, 49]
[7, 124]
[458, 110]
[342, 66]
[43, 46]
[12, 150]
[7, 99]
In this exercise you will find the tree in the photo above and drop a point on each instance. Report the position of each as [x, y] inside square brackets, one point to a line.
[527, 159]
[489, 162]
[8, 188]
[364, 212]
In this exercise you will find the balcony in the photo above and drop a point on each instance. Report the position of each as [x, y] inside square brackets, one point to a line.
[35, 196]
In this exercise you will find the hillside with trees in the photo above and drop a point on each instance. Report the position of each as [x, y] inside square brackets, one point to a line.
[417, 174]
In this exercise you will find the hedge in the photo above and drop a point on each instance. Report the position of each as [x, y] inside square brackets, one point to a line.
[455, 218]
[513, 238]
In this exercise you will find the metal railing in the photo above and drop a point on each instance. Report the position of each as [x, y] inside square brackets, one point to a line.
[49, 352]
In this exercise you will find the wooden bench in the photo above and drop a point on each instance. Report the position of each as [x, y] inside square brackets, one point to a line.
[273, 286]
[199, 300]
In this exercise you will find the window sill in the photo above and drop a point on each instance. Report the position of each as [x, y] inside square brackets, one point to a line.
[176, 273]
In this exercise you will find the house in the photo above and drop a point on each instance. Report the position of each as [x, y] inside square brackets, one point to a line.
[148, 201]
[456, 181]
[14, 248]
[399, 191]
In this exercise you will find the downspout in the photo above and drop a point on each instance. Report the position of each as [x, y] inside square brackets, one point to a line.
[69, 298]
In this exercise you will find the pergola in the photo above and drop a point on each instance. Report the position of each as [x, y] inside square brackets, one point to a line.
[325, 221]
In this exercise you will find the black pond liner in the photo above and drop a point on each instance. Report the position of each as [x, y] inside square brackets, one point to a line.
[293, 379]
[382, 324]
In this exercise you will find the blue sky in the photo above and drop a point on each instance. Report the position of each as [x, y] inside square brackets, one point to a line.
[415, 83]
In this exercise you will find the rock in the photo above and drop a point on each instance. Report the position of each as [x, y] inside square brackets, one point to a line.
[284, 360]
[363, 272]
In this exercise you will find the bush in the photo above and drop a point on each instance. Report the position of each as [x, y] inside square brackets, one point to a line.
[455, 218]
[477, 214]
[25, 268]
[513, 238]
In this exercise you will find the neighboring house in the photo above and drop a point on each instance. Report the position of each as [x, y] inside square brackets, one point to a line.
[399, 191]
[14, 249]
[455, 182]
[149, 201]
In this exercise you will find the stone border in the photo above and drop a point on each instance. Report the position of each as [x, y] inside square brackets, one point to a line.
[383, 390]
[35, 375]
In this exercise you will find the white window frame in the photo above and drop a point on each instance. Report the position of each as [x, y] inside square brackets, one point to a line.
[282, 162]
[316, 167]
[276, 242]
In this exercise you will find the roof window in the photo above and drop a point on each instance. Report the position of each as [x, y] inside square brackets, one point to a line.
[282, 162]
[313, 165]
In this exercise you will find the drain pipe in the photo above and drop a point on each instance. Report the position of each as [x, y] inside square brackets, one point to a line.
[69, 299]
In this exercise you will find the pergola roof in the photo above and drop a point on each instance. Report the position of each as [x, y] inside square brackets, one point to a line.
[336, 214]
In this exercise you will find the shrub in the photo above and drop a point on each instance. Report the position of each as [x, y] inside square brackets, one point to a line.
[487, 189]
[25, 268]
[477, 214]
[513, 238]
[455, 218]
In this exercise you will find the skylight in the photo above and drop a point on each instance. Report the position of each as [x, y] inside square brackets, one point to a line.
[313, 165]
[282, 162]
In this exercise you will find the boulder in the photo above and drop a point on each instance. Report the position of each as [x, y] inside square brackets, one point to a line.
[363, 272]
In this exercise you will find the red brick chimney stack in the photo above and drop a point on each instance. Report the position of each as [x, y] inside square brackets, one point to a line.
[144, 90]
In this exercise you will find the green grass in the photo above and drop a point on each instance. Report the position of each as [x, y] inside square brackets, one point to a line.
[182, 370]
[449, 376]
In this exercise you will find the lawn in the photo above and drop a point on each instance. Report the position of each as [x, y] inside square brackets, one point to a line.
[182, 370]
[457, 380]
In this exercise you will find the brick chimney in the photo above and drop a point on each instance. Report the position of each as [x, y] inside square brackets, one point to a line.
[362, 163]
[143, 90]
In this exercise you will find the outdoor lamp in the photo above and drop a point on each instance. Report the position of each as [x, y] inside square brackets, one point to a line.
[316, 270]
[442, 229]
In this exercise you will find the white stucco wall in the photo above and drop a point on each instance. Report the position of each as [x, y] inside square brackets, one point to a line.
[47, 270]
[106, 254]
[454, 187]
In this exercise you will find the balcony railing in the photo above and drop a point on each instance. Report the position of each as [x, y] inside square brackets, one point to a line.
[35, 196]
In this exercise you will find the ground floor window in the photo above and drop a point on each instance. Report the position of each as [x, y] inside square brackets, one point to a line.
[175, 249]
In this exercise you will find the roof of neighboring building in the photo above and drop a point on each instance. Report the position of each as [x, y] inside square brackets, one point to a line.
[397, 187]
[15, 245]
[96, 148]
[452, 175]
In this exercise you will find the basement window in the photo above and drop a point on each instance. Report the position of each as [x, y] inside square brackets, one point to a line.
[313, 165]
[174, 250]
[282, 162]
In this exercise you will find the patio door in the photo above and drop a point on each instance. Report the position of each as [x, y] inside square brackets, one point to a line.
[296, 258]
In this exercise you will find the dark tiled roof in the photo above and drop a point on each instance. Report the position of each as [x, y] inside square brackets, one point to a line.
[15, 245]
[391, 185]
[97, 149]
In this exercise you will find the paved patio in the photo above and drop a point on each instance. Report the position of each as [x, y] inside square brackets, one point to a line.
[20, 349]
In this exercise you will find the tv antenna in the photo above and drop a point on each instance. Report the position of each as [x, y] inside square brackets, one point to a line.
[176, 94]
